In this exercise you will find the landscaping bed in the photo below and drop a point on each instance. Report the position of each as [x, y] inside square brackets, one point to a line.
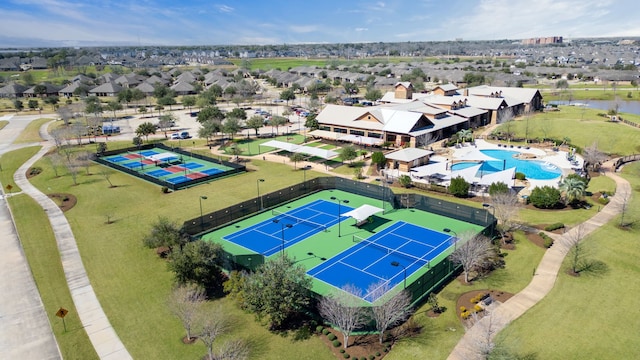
[464, 301]
[64, 201]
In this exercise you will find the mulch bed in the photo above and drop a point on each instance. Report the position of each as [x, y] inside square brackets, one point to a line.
[465, 299]
[65, 201]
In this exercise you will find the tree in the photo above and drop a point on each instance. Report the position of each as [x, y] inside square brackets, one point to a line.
[166, 122]
[106, 174]
[255, 122]
[498, 188]
[312, 122]
[145, 129]
[287, 95]
[378, 158]
[189, 101]
[278, 289]
[185, 302]
[210, 113]
[198, 262]
[465, 135]
[56, 161]
[209, 128]
[459, 187]
[593, 156]
[234, 286]
[215, 322]
[234, 349]
[389, 308]
[473, 253]
[545, 197]
[343, 309]
[373, 94]
[505, 209]
[348, 153]
[125, 96]
[277, 121]
[93, 106]
[238, 114]
[85, 159]
[577, 253]
[40, 90]
[114, 106]
[18, 105]
[165, 233]
[296, 157]
[32, 104]
[52, 100]
[231, 126]
[404, 180]
[73, 167]
[350, 88]
[573, 188]
[167, 100]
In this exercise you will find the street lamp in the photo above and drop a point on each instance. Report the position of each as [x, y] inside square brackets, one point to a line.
[493, 214]
[396, 264]
[455, 239]
[202, 197]
[260, 197]
[339, 211]
[283, 225]
[304, 172]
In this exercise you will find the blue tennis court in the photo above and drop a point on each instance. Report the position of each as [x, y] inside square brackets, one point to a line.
[383, 258]
[192, 165]
[211, 171]
[285, 229]
[147, 153]
[177, 179]
[118, 158]
[159, 173]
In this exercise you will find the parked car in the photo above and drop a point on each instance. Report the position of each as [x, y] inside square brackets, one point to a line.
[175, 136]
[185, 135]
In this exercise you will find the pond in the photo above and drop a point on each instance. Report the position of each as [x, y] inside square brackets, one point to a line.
[630, 107]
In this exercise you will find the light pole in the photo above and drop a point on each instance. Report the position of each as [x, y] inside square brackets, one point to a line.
[493, 214]
[260, 197]
[202, 197]
[396, 264]
[282, 226]
[455, 239]
[339, 211]
[304, 172]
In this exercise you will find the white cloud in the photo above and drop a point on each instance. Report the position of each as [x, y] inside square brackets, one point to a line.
[361, 29]
[224, 8]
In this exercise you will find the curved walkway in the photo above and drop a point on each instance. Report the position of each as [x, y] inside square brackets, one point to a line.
[544, 278]
[95, 322]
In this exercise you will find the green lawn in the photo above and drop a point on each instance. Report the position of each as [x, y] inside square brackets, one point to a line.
[10, 162]
[132, 283]
[592, 314]
[3, 123]
[583, 126]
[32, 132]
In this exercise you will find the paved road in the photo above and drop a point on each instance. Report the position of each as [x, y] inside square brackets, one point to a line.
[544, 278]
[25, 331]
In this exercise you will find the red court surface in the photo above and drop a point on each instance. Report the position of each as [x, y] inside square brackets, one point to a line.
[132, 156]
[175, 169]
[196, 175]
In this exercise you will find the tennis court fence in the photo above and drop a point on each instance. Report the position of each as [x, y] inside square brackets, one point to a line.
[277, 198]
[235, 168]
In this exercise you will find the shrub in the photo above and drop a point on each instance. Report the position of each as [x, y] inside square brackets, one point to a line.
[478, 308]
[342, 351]
[325, 331]
[463, 309]
[331, 337]
[377, 353]
[346, 356]
[498, 188]
[459, 187]
[555, 226]
[336, 343]
[465, 315]
[548, 241]
[545, 197]
[405, 181]
[520, 176]
[320, 328]
[603, 200]
[164, 190]
[371, 357]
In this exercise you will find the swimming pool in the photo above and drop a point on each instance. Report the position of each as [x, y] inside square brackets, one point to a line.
[533, 169]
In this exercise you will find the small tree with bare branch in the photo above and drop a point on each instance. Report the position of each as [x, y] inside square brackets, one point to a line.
[235, 349]
[577, 252]
[184, 302]
[505, 205]
[389, 308]
[214, 323]
[593, 156]
[475, 251]
[343, 309]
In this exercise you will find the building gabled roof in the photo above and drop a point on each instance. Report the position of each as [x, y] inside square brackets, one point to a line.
[183, 87]
[13, 90]
[106, 88]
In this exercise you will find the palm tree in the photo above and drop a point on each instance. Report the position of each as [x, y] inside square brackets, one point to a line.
[573, 189]
[465, 135]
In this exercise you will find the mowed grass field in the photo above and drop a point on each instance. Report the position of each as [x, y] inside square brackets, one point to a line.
[583, 126]
[592, 316]
[132, 283]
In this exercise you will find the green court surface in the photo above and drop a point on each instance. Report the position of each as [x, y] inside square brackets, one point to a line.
[324, 245]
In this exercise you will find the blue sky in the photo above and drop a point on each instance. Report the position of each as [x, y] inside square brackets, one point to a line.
[230, 22]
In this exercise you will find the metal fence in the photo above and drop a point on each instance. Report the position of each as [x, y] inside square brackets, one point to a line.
[235, 168]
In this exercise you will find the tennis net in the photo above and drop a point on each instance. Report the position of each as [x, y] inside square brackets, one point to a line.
[389, 250]
[298, 220]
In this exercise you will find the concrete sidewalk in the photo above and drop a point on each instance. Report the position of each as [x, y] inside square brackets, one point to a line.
[544, 278]
[102, 335]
